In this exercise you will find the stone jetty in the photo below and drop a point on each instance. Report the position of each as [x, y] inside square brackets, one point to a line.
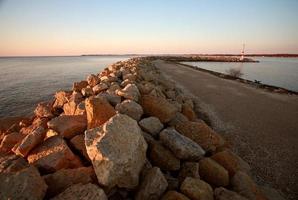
[125, 133]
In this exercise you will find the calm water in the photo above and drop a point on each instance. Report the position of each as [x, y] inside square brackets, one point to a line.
[27, 81]
[282, 72]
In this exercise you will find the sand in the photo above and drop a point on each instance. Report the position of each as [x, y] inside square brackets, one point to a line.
[261, 125]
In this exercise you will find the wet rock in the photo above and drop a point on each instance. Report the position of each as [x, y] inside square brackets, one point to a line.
[213, 173]
[117, 151]
[130, 108]
[231, 162]
[153, 185]
[244, 185]
[182, 147]
[10, 140]
[86, 92]
[64, 178]
[224, 194]
[151, 125]
[158, 107]
[174, 195]
[163, 158]
[61, 98]
[78, 86]
[196, 189]
[100, 87]
[30, 141]
[52, 155]
[98, 111]
[43, 110]
[92, 80]
[68, 125]
[23, 184]
[78, 142]
[82, 192]
[130, 91]
[189, 169]
[201, 133]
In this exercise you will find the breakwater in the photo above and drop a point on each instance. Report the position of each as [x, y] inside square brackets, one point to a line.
[125, 133]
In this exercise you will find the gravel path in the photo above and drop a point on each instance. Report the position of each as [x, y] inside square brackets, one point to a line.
[262, 126]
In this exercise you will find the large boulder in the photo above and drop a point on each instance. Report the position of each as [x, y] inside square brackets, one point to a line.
[182, 147]
[130, 108]
[130, 91]
[25, 183]
[158, 107]
[98, 110]
[196, 189]
[201, 133]
[78, 143]
[100, 87]
[213, 173]
[117, 151]
[163, 158]
[44, 110]
[74, 108]
[153, 185]
[10, 140]
[64, 178]
[151, 125]
[82, 192]
[224, 194]
[52, 155]
[30, 141]
[174, 195]
[68, 125]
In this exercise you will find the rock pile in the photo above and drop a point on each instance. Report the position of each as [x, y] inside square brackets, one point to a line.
[126, 133]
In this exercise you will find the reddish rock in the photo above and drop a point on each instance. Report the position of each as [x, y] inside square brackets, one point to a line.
[213, 173]
[50, 133]
[174, 195]
[99, 87]
[78, 142]
[158, 107]
[201, 133]
[12, 163]
[196, 189]
[44, 110]
[98, 111]
[37, 122]
[30, 141]
[86, 92]
[52, 155]
[68, 125]
[188, 112]
[61, 98]
[151, 125]
[74, 108]
[10, 140]
[78, 86]
[92, 80]
[64, 178]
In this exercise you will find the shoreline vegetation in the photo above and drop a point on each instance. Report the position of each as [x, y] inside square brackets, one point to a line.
[127, 132]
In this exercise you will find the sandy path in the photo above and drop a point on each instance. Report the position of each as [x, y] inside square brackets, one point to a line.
[262, 126]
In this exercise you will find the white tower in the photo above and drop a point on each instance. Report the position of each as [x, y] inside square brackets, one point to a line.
[242, 53]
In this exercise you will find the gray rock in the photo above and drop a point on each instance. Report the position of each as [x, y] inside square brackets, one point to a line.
[182, 147]
[130, 91]
[151, 125]
[130, 108]
[196, 189]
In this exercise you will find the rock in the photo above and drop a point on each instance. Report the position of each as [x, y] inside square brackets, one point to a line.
[99, 87]
[151, 125]
[196, 189]
[201, 133]
[23, 184]
[50, 133]
[36, 123]
[86, 92]
[78, 86]
[173, 183]
[231, 162]
[130, 91]
[52, 155]
[189, 169]
[244, 185]
[188, 112]
[98, 111]
[92, 80]
[130, 108]
[61, 98]
[74, 108]
[113, 88]
[10, 140]
[158, 107]
[153, 185]
[129, 77]
[112, 98]
[174, 195]
[213, 173]
[179, 118]
[64, 178]
[78, 142]
[163, 158]
[117, 151]
[182, 147]
[43, 110]
[82, 192]
[68, 125]
[126, 82]
[224, 194]
[30, 141]
[12, 163]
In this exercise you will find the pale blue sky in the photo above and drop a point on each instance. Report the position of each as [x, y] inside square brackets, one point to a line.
[64, 27]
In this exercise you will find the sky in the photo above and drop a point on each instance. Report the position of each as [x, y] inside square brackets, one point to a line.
[64, 27]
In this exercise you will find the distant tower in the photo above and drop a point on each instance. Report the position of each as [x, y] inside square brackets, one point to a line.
[242, 53]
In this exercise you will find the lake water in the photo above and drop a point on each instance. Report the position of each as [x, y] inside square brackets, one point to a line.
[26, 81]
[281, 72]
